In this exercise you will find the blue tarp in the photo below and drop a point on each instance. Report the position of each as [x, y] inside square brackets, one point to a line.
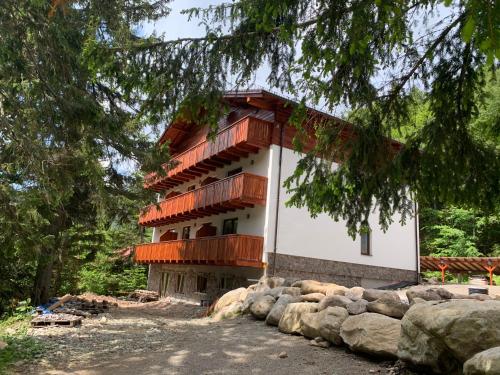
[45, 306]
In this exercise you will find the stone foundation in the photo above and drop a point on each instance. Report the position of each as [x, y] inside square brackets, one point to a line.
[218, 280]
[343, 273]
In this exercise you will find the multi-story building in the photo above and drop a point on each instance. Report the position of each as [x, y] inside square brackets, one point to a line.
[221, 218]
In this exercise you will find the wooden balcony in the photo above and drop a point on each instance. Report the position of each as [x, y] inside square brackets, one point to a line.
[232, 193]
[245, 136]
[230, 250]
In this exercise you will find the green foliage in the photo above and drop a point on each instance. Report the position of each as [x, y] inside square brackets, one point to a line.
[367, 56]
[20, 345]
[69, 138]
[459, 232]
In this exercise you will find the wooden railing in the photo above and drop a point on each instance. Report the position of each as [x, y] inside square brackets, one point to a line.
[229, 250]
[247, 135]
[235, 192]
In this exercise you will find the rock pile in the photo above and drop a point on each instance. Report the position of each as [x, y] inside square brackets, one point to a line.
[436, 331]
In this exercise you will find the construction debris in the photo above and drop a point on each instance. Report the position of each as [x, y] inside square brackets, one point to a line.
[141, 295]
[65, 320]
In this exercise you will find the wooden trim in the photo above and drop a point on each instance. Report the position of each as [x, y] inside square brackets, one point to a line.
[235, 192]
[231, 250]
[246, 135]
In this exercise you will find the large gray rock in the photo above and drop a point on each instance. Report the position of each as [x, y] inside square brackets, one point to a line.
[290, 321]
[270, 282]
[236, 295]
[274, 316]
[334, 300]
[313, 286]
[428, 294]
[228, 312]
[442, 335]
[313, 297]
[262, 306]
[357, 307]
[275, 292]
[388, 306]
[313, 325]
[355, 293]
[375, 294]
[329, 328]
[484, 363]
[372, 333]
[293, 291]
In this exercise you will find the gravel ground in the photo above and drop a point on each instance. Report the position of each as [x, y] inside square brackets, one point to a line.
[170, 338]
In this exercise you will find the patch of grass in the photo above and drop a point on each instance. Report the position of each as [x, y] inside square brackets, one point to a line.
[13, 331]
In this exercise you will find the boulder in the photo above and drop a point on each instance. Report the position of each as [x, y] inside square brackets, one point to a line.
[428, 294]
[313, 286]
[335, 290]
[334, 300]
[262, 306]
[290, 320]
[249, 300]
[274, 316]
[442, 335]
[476, 296]
[355, 293]
[372, 333]
[375, 294]
[293, 291]
[330, 326]
[357, 307]
[313, 297]
[320, 342]
[251, 288]
[228, 312]
[484, 363]
[325, 323]
[236, 295]
[275, 292]
[417, 300]
[388, 306]
[270, 282]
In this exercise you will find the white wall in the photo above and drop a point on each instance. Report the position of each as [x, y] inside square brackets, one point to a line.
[250, 220]
[323, 238]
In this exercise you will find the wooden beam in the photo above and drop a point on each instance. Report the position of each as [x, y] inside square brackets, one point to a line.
[259, 103]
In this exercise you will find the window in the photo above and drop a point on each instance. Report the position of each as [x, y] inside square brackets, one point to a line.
[185, 233]
[180, 284]
[230, 226]
[234, 171]
[192, 187]
[225, 282]
[366, 246]
[201, 284]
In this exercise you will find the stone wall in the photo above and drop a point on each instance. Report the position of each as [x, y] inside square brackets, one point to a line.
[343, 273]
[234, 277]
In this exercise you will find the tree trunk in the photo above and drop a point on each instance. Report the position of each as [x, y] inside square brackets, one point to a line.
[41, 289]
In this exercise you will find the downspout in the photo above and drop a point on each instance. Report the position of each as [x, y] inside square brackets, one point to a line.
[282, 128]
[417, 257]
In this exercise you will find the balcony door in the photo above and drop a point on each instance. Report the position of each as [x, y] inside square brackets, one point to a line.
[169, 235]
[206, 230]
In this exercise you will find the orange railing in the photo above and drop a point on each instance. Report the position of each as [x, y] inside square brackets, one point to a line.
[246, 135]
[233, 249]
[239, 191]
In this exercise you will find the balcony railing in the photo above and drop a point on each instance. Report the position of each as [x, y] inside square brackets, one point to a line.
[230, 250]
[245, 136]
[235, 192]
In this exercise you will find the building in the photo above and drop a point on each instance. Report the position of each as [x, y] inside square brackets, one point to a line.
[221, 218]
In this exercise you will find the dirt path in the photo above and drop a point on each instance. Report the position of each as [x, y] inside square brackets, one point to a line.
[164, 340]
